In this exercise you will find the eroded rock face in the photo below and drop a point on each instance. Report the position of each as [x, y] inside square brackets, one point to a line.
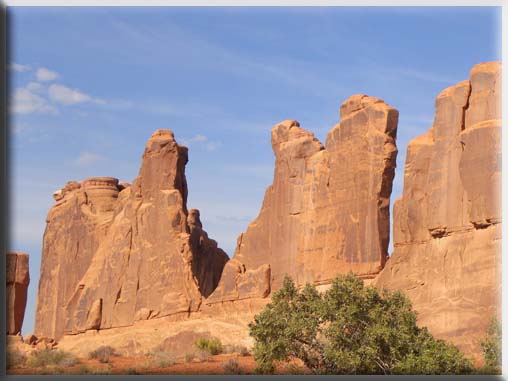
[114, 251]
[447, 224]
[327, 211]
[17, 279]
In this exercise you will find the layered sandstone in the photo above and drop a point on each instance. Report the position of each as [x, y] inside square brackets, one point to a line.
[17, 279]
[116, 253]
[447, 224]
[327, 211]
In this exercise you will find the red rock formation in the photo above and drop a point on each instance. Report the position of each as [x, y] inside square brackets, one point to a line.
[116, 253]
[447, 231]
[327, 211]
[18, 278]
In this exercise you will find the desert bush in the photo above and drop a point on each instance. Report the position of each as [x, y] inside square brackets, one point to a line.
[239, 349]
[15, 358]
[295, 369]
[83, 369]
[51, 357]
[491, 347]
[231, 366]
[203, 356]
[103, 353]
[349, 329]
[213, 345]
[189, 357]
[132, 371]
[161, 358]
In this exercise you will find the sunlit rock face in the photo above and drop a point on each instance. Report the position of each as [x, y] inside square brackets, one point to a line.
[17, 279]
[327, 210]
[115, 253]
[447, 224]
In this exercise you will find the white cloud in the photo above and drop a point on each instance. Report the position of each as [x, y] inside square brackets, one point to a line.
[35, 87]
[201, 140]
[67, 96]
[42, 74]
[18, 67]
[87, 158]
[26, 101]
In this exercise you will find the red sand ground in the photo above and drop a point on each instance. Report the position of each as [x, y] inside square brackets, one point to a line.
[140, 365]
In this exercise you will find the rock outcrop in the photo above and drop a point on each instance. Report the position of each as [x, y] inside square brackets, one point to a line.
[327, 211]
[114, 253]
[17, 279]
[447, 224]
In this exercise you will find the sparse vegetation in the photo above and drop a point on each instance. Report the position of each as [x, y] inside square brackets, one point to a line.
[203, 355]
[189, 357]
[213, 345]
[349, 329]
[232, 367]
[103, 353]
[239, 349]
[159, 357]
[15, 358]
[51, 357]
[83, 369]
[491, 347]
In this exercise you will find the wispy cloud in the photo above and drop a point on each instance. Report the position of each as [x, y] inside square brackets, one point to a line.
[25, 100]
[19, 67]
[201, 141]
[86, 158]
[45, 75]
[67, 96]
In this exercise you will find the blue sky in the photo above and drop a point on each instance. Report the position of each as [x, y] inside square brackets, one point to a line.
[90, 85]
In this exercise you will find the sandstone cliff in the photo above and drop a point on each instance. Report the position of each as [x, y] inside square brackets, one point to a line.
[447, 224]
[17, 279]
[116, 253]
[327, 211]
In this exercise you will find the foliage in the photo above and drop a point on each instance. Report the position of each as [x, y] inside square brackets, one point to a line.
[204, 356]
[162, 359]
[232, 367]
[213, 345]
[83, 369]
[50, 357]
[349, 329]
[189, 357]
[103, 353]
[491, 347]
[15, 358]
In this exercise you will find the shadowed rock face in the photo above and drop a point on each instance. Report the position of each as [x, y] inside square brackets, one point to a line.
[115, 253]
[327, 211]
[17, 278]
[447, 224]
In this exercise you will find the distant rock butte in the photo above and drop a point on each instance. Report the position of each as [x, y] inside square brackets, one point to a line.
[447, 224]
[115, 253]
[327, 211]
[17, 279]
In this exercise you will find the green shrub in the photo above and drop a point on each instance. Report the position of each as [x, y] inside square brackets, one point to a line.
[161, 358]
[491, 347]
[50, 357]
[213, 345]
[103, 353]
[349, 329]
[232, 367]
[15, 358]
